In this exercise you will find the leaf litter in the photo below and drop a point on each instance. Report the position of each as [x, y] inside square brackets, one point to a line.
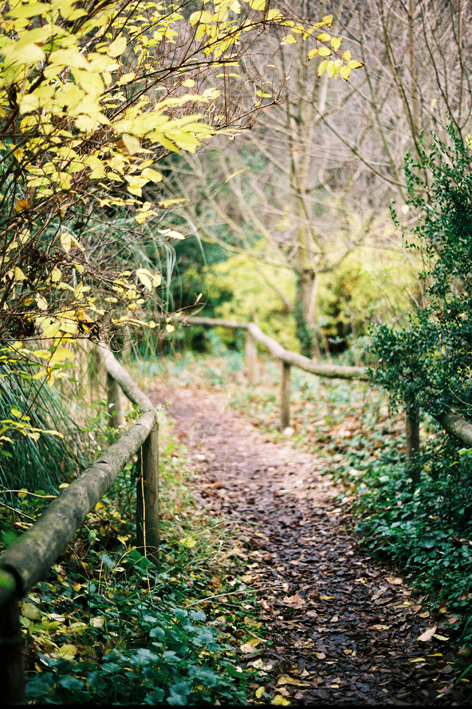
[339, 627]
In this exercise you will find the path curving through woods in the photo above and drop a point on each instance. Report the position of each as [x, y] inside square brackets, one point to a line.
[345, 628]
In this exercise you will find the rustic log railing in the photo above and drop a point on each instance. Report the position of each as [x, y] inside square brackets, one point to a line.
[29, 558]
[452, 422]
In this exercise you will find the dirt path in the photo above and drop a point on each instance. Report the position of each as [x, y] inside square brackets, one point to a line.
[345, 628]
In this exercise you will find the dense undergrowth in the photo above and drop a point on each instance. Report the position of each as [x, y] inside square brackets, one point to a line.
[425, 531]
[107, 626]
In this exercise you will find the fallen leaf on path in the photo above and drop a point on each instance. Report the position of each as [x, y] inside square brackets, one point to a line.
[296, 601]
[395, 580]
[427, 635]
[379, 627]
[285, 679]
[259, 692]
[320, 655]
[441, 637]
[247, 648]
[418, 659]
[334, 619]
[279, 700]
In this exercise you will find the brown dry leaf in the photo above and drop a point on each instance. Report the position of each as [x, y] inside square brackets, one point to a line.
[334, 619]
[312, 614]
[424, 615]
[320, 655]
[347, 652]
[296, 601]
[248, 649]
[427, 635]
[395, 580]
[285, 679]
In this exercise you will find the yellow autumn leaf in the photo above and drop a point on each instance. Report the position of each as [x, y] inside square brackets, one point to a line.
[312, 53]
[153, 175]
[66, 241]
[280, 701]
[289, 39]
[97, 622]
[145, 277]
[259, 692]
[156, 280]
[19, 275]
[30, 611]
[131, 143]
[257, 5]
[41, 302]
[347, 56]
[21, 205]
[117, 47]
[355, 64]
[324, 52]
[16, 413]
[60, 354]
[67, 652]
[324, 37]
[345, 72]
[188, 542]
[336, 43]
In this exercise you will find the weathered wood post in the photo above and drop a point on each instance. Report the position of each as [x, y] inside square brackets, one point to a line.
[285, 396]
[412, 435]
[12, 679]
[147, 508]
[114, 404]
[251, 358]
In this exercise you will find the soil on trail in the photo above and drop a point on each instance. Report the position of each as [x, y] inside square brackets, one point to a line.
[344, 628]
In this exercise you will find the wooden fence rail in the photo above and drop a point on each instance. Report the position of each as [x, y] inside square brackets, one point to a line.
[27, 561]
[452, 422]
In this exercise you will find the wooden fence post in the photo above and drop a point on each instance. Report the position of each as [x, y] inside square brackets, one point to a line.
[285, 396]
[412, 435]
[114, 405]
[147, 512]
[251, 358]
[12, 679]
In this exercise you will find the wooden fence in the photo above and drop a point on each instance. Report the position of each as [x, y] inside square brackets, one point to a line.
[28, 560]
[452, 422]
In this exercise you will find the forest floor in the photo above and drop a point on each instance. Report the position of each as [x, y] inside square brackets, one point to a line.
[337, 626]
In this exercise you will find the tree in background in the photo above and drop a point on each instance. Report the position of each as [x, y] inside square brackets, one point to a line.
[312, 180]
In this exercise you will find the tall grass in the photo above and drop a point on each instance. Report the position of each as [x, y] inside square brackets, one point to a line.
[51, 460]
